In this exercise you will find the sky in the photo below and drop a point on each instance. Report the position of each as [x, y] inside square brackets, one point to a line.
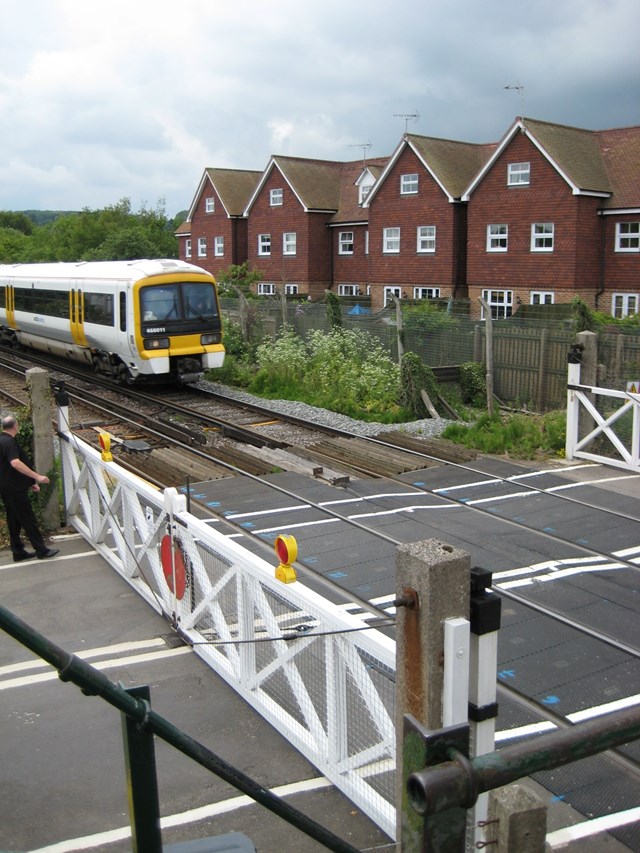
[101, 101]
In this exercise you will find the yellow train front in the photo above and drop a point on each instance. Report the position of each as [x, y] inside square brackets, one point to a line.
[136, 321]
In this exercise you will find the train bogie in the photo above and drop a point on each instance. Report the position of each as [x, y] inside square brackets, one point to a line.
[136, 321]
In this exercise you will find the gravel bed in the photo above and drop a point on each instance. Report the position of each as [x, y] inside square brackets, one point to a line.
[429, 427]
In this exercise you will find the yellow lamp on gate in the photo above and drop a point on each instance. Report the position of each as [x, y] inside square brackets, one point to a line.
[105, 445]
[286, 549]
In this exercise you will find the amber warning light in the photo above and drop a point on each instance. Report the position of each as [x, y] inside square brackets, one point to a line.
[105, 445]
[286, 549]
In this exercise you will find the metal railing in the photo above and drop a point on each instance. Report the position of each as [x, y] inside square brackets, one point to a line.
[314, 671]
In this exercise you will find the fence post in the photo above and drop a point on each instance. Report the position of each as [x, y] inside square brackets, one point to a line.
[517, 821]
[433, 586]
[541, 368]
[488, 352]
[588, 376]
[573, 404]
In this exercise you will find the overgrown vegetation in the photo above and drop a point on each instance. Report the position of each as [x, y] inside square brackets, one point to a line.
[518, 436]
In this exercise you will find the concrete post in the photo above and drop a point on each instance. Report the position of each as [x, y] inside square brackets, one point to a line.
[517, 821]
[43, 453]
[433, 582]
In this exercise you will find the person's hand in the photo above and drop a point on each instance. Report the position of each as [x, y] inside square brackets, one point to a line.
[42, 478]
[35, 488]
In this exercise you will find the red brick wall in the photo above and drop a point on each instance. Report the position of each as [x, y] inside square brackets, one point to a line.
[312, 261]
[622, 269]
[572, 264]
[429, 206]
[211, 225]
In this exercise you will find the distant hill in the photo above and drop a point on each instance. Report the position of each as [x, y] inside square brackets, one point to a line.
[41, 217]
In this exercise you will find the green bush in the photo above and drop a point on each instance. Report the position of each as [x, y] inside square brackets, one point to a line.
[473, 383]
[414, 378]
[522, 436]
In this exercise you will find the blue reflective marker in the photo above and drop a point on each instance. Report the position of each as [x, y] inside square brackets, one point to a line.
[507, 673]
[551, 700]
[337, 574]
[213, 503]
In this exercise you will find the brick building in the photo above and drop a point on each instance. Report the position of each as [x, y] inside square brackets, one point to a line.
[547, 213]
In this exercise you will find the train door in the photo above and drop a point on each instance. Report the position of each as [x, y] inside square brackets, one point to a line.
[76, 316]
[124, 323]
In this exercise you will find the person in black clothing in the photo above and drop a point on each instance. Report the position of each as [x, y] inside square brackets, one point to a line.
[16, 480]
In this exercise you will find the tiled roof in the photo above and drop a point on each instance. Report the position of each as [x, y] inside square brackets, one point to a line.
[183, 229]
[453, 163]
[315, 182]
[234, 187]
[620, 149]
[350, 209]
[575, 151]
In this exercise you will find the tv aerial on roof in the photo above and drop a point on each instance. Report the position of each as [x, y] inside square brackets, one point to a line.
[365, 147]
[517, 87]
[407, 117]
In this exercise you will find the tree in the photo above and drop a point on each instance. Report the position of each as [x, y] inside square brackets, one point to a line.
[237, 277]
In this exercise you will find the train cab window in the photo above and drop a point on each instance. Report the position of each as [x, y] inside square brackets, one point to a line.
[159, 303]
[200, 302]
[123, 312]
[98, 308]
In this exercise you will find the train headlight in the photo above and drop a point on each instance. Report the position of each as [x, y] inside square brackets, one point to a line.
[156, 343]
[207, 340]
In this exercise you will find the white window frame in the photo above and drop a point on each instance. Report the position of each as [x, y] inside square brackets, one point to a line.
[345, 243]
[388, 292]
[366, 242]
[363, 192]
[426, 292]
[210, 204]
[542, 236]
[218, 247]
[276, 197]
[264, 244]
[202, 247]
[187, 248]
[542, 297]
[426, 239]
[629, 234]
[266, 288]
[391, 241]
[500, 302]
[289, 243]
[518, 174]
[348, 290]
[624, 304]
[409, 184]
[291, 289]
[497, 238]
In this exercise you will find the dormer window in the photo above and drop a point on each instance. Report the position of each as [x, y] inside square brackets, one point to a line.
[408, 184]
[210, 205]
[276, 197]
[518, 174]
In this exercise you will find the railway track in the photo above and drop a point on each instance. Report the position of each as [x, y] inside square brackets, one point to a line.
[392, 475]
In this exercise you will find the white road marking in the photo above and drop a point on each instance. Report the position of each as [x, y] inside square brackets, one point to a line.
[592, 827]
[87, 654]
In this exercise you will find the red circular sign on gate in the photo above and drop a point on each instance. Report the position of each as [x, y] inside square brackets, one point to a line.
[175, 568]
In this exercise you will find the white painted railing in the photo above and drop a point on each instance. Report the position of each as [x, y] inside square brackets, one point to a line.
[618, 431]
[303, 663]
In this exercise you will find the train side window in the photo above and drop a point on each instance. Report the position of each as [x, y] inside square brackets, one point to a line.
[98, 308]
[123, 312]
[3, 297]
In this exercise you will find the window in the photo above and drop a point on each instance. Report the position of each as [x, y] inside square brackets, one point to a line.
[202, 247]
[345, 243]
[391, 240]
[209, 205]
[264, 244]
[291, 289]
[389, 292]
[627, 236]
[266, 288]
[218, 246]
[289, 243]
[366, 242]
[348, 290]
[276, 197]
[426, 292]
[426, 239]
[187, 248]
[364, 191]
[500, 303]
[497, 238]
[624, 304]
[541, 297]
[542, 237]
[98, 308]
[518, 174]
[408, 184]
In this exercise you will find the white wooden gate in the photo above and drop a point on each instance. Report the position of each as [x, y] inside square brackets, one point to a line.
[610, 422]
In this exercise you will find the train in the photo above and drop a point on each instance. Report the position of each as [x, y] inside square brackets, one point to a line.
[137, 322]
